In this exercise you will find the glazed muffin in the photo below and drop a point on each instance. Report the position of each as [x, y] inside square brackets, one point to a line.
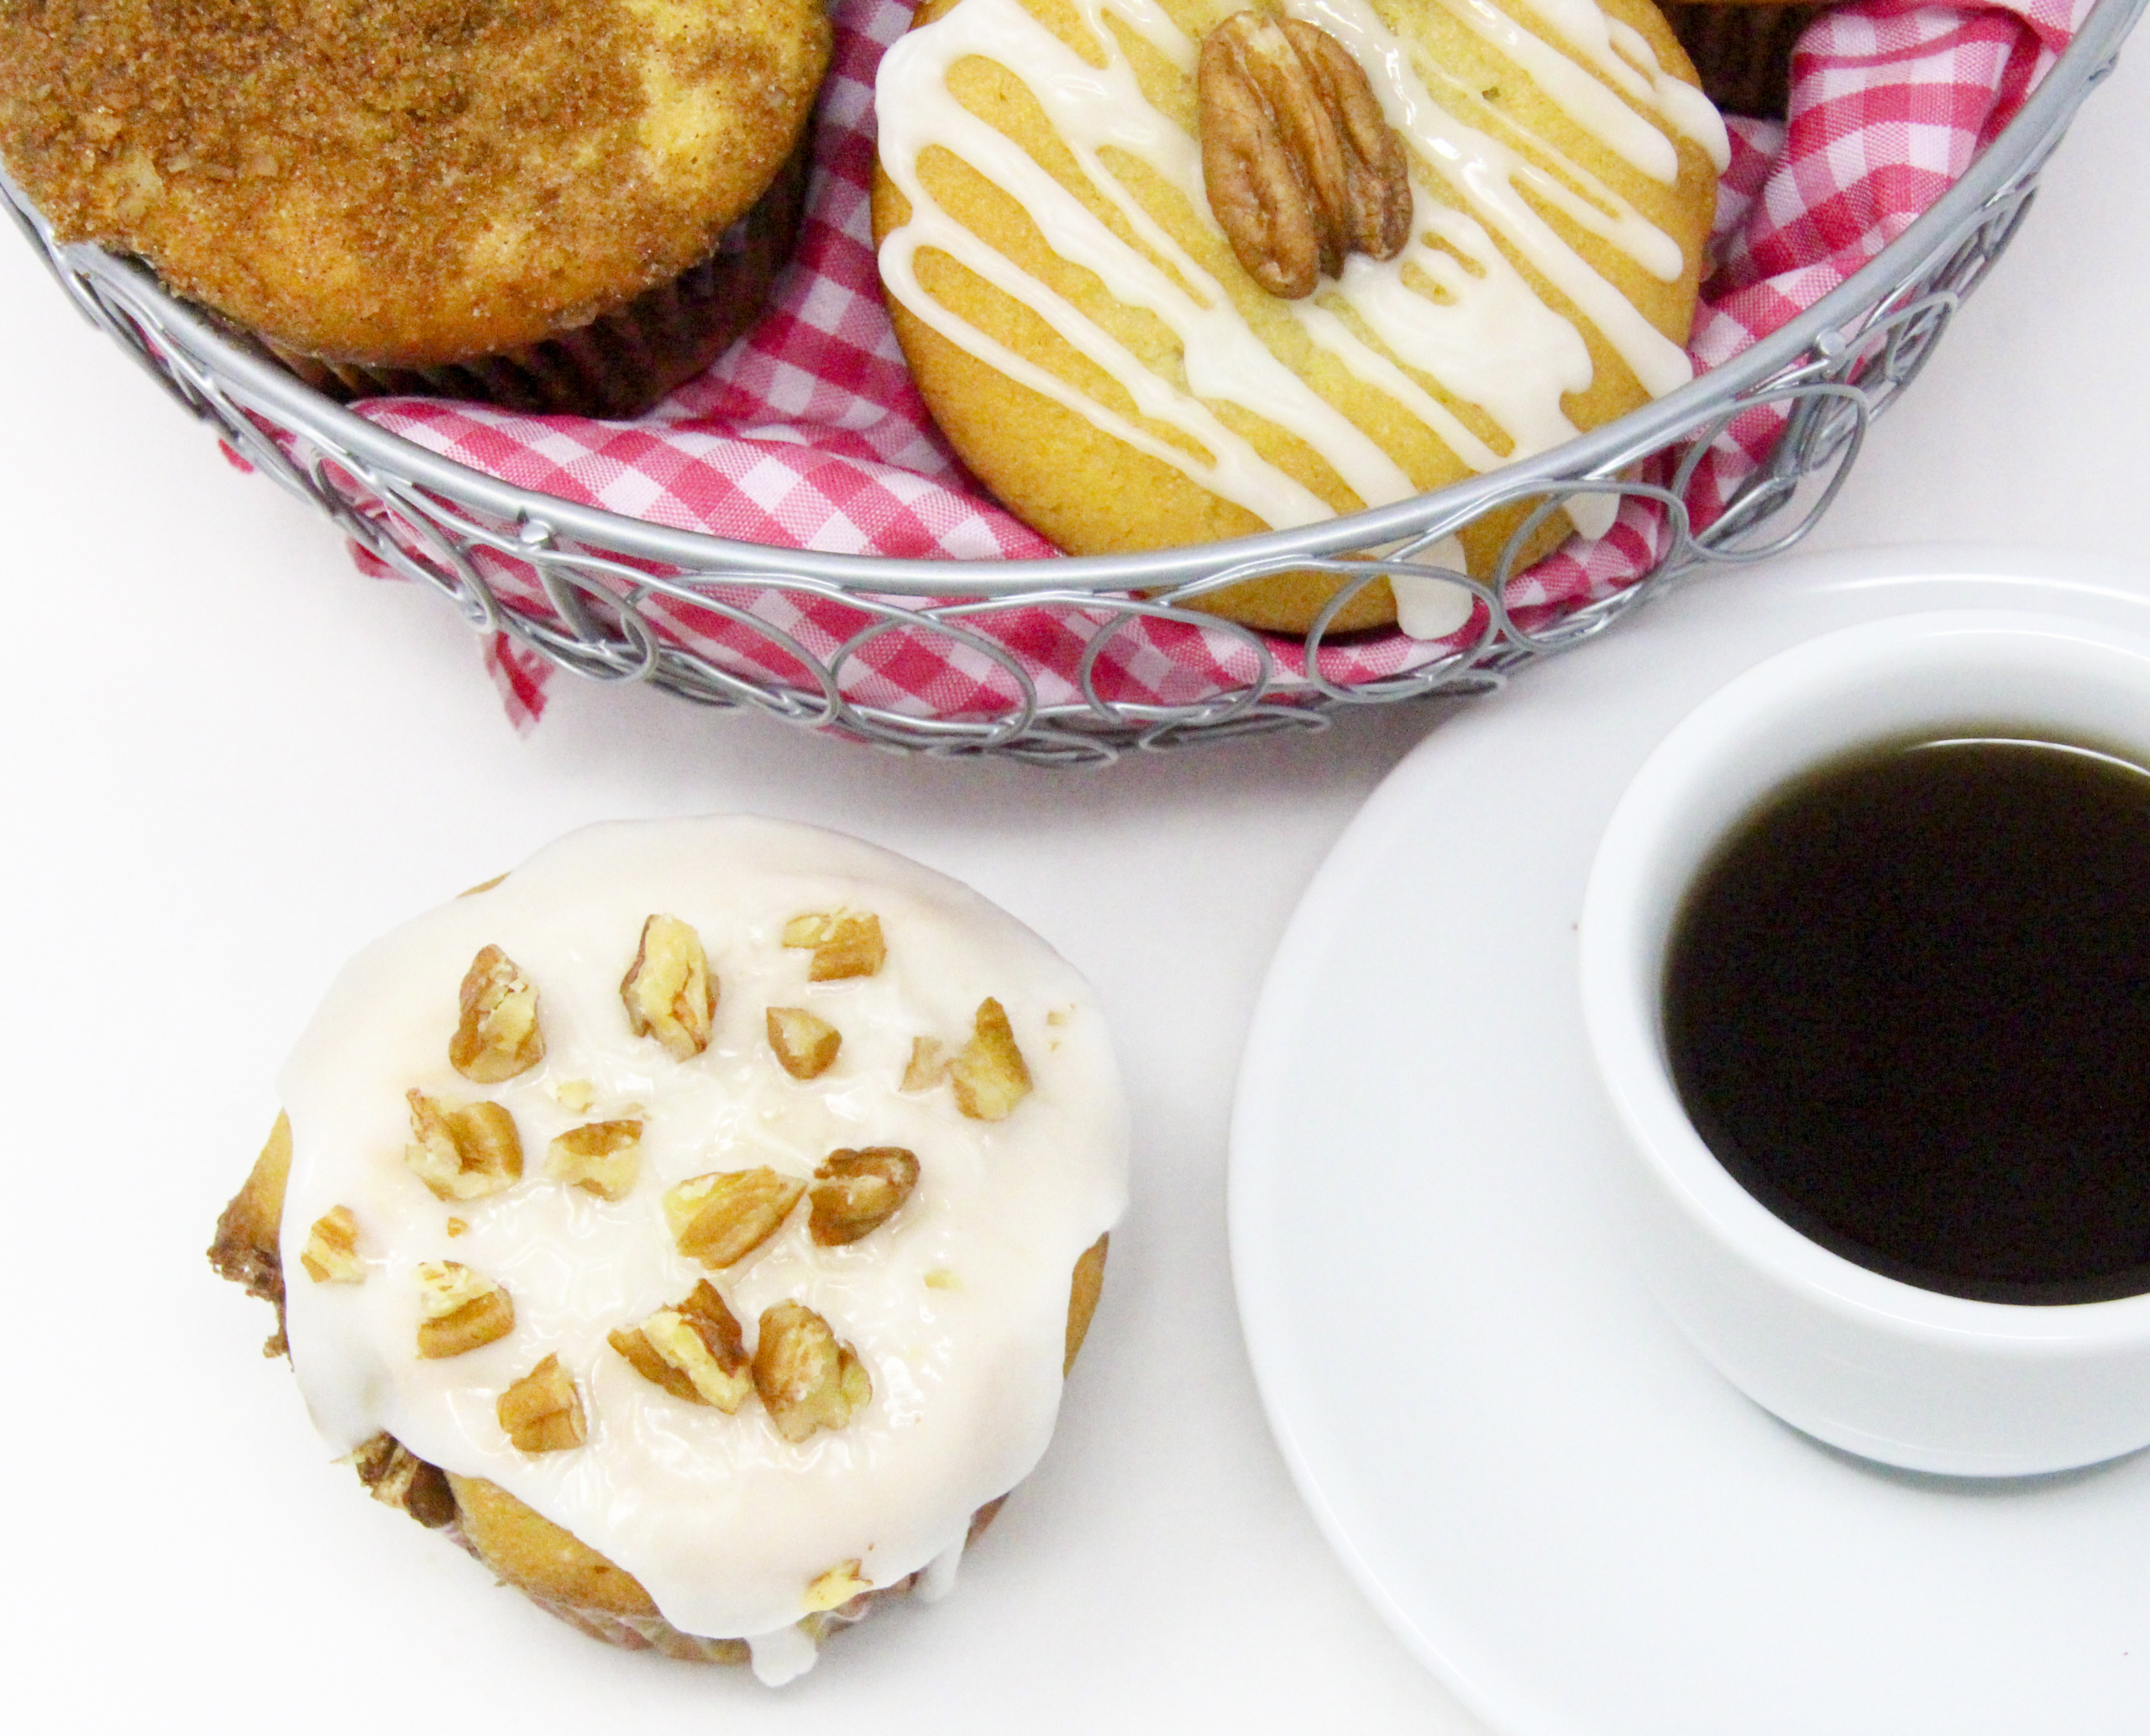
[699, 1222]
[571, 206]
[1169, 271]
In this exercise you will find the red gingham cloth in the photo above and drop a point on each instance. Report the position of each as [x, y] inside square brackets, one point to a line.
[809, 433]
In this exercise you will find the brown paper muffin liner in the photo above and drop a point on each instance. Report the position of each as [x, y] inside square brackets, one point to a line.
[1742, 52]
[620, 363]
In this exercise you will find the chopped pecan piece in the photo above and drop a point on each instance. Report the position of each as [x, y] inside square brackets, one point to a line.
[989, 1077]
[398, 1477]
[837, 1586]
[845, 943]
[856, 1193]
[603, 1157]
[331, 1254]
[805, 1046]
[668, 991]
[541, 1413]
[721, 1219]
[1301, 166]
[694, 1350]
[807, 1380]
[460, 1309]
[465, 1153]
[497, 1036]
[928, 1064]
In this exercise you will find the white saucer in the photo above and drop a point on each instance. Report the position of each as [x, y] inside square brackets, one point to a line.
[1554, 1501]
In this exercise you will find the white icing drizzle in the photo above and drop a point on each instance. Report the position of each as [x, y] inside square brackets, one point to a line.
[1583, 98]
[937, 1578]
[1596, 37]
[1491, 174]
[1485, 336]
[958, 1305]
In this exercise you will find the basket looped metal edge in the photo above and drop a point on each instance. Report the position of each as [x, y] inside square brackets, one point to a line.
[602, 576]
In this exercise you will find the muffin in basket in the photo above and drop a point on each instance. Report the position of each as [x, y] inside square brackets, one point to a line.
[698, 1221]
[1171, 270]
[565, 207]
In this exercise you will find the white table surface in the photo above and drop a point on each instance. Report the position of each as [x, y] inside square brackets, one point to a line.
[229, 760]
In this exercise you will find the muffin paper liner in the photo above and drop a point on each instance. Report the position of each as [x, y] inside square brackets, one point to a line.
[624, 362]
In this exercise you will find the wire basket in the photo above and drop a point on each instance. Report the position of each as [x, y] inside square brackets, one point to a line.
[600, 578]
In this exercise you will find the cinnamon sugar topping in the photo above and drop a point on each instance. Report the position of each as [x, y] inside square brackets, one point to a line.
[406, 180]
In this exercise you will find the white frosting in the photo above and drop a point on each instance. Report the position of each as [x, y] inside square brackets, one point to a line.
[1483, 334]
[724, 1523]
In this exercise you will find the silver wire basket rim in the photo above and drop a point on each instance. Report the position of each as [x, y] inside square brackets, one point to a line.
[712, 559]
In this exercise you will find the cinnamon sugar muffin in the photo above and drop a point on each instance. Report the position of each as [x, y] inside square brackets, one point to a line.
[698, 1222]
[1083, 212]
[568, 205]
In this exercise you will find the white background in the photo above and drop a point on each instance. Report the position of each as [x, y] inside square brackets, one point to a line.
[230, 760]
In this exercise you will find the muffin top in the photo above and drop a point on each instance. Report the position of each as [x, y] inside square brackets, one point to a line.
[1072, 283]
[726, 1216]
[405, 181]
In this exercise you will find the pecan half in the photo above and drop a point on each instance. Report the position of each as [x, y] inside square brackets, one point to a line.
[1301, 166]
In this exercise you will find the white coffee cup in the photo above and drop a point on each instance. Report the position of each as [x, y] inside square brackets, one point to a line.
[1867, 1363]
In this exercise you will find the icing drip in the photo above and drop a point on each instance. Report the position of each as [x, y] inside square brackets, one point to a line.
[1452, 308]
[1433, 608]
[781, 1656]
[937, 1578]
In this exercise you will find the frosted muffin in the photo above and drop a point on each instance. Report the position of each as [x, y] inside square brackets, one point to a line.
[699, 1220]
[1169, 271]
[571, 206]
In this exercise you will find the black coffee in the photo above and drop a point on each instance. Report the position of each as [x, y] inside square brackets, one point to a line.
[1907, 1005]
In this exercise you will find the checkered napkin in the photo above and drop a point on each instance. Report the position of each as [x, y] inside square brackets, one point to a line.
[809, 433]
